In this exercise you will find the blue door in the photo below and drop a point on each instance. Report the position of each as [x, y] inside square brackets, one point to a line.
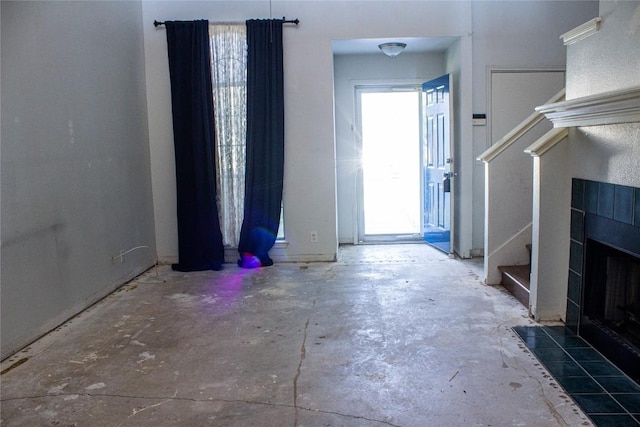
[437, 162]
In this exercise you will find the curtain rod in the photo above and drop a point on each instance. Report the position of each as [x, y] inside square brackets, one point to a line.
[284, 21]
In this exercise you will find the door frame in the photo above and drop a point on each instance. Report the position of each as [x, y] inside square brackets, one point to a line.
[359, 86]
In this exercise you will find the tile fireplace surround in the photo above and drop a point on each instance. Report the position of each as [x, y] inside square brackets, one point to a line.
[615, 202]
[610, 214]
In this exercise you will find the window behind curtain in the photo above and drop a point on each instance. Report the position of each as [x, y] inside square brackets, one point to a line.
[229, 74]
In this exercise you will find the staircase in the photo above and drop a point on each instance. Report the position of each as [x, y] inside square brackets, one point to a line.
[516, 279]
[509, 182]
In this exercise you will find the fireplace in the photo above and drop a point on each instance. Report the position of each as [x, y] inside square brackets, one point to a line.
[603, 299]
[610, 316]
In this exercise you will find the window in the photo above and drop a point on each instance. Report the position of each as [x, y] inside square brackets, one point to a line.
[229, 74]
[228, 44]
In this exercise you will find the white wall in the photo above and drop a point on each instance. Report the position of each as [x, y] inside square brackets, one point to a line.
[76, 185]
[310, 194]
[458, 63]
[550, 238]
[367, 69]
[514, 35]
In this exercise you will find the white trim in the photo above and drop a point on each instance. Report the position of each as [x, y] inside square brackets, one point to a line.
[581, 32]
[526, 229]
[547, 141]
[619, 106]
[453, 168]
[524, 127]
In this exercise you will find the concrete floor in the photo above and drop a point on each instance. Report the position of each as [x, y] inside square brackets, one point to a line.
[397, 335]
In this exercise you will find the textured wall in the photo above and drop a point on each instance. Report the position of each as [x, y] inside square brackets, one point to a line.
[609, 59]
[607, 153]
[606, 61]
[76, 186]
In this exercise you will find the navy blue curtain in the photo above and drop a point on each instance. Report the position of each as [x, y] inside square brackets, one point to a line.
[265, 143]
[199, 238]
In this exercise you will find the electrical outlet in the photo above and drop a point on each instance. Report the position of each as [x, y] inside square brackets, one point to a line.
[314, 237]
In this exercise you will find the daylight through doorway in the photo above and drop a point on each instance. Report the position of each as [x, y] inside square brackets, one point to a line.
[390, 129]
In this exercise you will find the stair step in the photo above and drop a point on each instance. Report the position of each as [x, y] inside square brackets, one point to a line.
[516, 279]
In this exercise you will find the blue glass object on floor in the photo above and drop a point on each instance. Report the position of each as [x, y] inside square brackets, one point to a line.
[605, 394]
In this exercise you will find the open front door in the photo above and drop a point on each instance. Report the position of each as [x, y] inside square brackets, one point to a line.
[437, 165]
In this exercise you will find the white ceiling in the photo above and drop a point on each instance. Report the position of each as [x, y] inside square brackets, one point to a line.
[370, 46]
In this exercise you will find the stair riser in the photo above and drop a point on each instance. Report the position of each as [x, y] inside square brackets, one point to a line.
[516, 289]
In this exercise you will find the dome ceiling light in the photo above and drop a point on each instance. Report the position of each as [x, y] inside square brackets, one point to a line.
[392, 49]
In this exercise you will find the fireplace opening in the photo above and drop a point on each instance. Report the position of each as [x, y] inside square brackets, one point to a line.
[610, 318]
[612, 294]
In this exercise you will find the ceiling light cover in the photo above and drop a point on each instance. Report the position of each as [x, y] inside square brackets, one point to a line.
[392, 49]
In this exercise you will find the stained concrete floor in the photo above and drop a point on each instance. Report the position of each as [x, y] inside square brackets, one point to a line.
[397, 335]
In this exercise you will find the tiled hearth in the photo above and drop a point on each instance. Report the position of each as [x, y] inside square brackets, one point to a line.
[605, 394]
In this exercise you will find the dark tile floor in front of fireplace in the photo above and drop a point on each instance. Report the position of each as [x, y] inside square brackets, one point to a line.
[605, 394]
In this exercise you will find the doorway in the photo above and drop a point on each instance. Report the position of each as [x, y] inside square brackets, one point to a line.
[390, 185]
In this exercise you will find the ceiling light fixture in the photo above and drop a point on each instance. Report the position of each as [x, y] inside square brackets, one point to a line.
[392, 49]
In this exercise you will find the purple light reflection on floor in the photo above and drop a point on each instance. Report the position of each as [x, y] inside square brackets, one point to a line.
[223, 291]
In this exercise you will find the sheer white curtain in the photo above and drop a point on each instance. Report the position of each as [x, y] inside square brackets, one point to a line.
[229, 75]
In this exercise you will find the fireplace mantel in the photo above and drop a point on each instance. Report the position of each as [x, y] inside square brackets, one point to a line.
[620, 106]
